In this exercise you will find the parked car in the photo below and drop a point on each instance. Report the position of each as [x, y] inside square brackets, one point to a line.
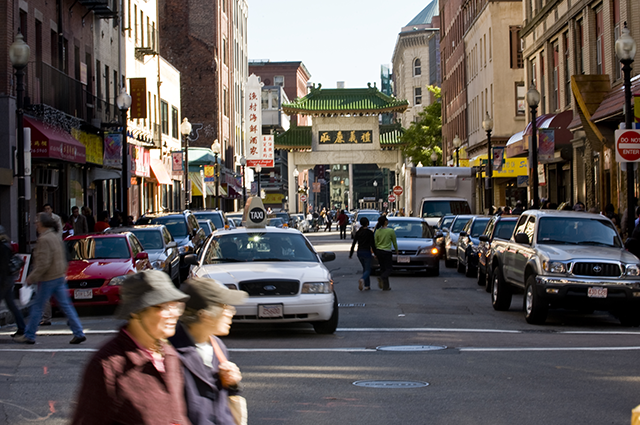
[566, 259]
[302, 223]
[468, 242]
[99, 263]
[283, 274]
[443, 227]
[207, 226]
[286, 218]
[500, 227]
[372, 215]
[235, 218]
[159, 244]
[276, 222]
[185, 230]
[218, 218]
[417, 250]
[451, 240]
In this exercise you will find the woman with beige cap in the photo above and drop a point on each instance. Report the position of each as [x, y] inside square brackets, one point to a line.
[209, 377]
[136, 378]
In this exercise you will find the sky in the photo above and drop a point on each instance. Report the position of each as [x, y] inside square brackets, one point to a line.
[337, 40]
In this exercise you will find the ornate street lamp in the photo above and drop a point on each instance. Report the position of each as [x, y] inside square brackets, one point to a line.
[296, 173]
[533, 99]
[123, 101]
[375, 184]
[215, 147]
[487, 124]
[243, 163]
[258, 168]
[626, 52]
[456, 144]
[434, 158]
[185, 130]
[19, 53]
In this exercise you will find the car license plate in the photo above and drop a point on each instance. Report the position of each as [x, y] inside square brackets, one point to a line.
[83, 294]
[270, 311]
[404, 259]
[595, 292]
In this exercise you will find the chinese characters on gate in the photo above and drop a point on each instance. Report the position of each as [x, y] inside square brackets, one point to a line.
[344, 137]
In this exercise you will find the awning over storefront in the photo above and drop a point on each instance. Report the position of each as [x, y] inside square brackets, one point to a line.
[196, 186]
[515, 145]
[518, 144]
[233, 192]
[201, 156]
[53, 143]
[612, 105]
[157, 167]
[98, 173]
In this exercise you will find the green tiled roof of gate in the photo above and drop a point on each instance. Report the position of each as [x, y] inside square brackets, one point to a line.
[294, 138]
[390, 135]
[345, 101]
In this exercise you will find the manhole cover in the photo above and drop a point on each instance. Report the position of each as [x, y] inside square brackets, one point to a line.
[351, 305]
[391, 384]
[411, 347]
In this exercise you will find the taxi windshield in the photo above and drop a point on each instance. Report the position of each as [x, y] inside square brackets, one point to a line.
[97, 248]
[258, 246]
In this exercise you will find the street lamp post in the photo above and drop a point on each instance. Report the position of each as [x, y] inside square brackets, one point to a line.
[434, 158]
[487, 124]
[375, 184]
[215, 147]
[626, 52]
[456, 144]
[19, 53]
[185, 129]
[533, 99]
[258, 168]
[243, 163]
[123, 101]
[296, 173]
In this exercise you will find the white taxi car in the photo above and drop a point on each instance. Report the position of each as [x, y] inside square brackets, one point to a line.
[279, 268]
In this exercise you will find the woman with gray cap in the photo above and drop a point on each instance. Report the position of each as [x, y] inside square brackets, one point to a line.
[209, 378]
[136, 377]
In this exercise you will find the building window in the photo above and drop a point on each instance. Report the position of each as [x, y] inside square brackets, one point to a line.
[164, 116]
[224, 51]
[417, 67]
[225, 101]
[616, 34]
[174, 123]
[567, 71]
[417, 96]
[599, 43]
[580, 48]
[556, 77]
[515, 47]
[278, 80]
[135, 24]
[543, 91]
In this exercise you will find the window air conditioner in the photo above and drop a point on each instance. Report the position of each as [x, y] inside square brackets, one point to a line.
[47, 177]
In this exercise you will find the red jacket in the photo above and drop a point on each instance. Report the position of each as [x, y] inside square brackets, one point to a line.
[121, 386]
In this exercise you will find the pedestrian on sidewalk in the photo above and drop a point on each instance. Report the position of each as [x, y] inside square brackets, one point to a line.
[136, 378]
[343, 219]
[7, 280]
[88, 215]
[46, 310]
[209, 377]
[366, 247]
[80, 226]
[385, 239]
[49, 273]
[328, 221]
[103, 222]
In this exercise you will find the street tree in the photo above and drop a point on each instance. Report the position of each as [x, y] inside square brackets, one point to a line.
[424, 136]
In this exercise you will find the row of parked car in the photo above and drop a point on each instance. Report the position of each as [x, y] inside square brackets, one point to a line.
[557, 259]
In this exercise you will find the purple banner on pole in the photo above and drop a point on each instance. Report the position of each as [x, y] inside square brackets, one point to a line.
[113, 150]
[498, 159]
[546, 145]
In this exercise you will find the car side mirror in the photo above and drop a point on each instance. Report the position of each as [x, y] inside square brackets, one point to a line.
[191, 259]
[142, 256]
[172, 244]
[484, 238]
[327, 256]
[439, 235]
[522, 238]
[463, 234]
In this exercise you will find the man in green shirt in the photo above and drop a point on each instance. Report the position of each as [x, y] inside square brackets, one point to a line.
[385, 238]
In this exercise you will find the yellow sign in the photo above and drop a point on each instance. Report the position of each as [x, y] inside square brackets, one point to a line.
[93, 144]
[273, 198]
[636, 108]
[512, 167]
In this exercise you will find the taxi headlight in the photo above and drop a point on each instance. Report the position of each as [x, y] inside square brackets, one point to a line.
[158, 264]
[632, 270]
[554, 267]
[117, 281]
[317, 288]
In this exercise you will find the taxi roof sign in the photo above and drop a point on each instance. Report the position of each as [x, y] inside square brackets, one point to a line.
[255, 215]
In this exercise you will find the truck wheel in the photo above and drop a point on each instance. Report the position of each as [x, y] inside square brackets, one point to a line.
[461, 267]
[447, 262]
[501, 293]
[482, 278]
[328, 326]
[470, 270]
[535, 309]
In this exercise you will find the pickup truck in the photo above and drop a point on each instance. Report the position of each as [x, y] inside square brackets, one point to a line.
[566, 259]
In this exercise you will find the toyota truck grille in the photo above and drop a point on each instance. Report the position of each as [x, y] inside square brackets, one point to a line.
[596, 269]
[266, 287]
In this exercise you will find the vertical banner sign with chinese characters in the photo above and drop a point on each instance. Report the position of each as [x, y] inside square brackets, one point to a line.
[253, 119]
[176, 162]
[266, 157]
[113, 150]
[209, 174]
[138, 88]
[498, 158]
[546, 145]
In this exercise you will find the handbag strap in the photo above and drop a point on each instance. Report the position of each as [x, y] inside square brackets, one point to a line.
[216, 348]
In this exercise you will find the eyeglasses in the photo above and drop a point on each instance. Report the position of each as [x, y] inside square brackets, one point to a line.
[170, 309]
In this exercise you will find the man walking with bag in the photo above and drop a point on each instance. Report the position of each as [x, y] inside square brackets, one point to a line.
[7, 278]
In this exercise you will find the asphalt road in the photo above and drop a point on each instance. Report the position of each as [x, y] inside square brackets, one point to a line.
[481, 366]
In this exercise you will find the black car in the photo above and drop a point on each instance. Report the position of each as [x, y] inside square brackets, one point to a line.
[217, 217]
[286, 218]
[443, 226]
[468, 242]
[185, 230]
[499, 227]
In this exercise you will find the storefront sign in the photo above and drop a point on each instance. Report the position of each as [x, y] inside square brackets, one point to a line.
[512, 167]
[140, 161]
[92, 143]
[209, 174]
[138, 88]
[344, 137]
[177, 165]
[113, 150]
[253, 114]
[546, 144]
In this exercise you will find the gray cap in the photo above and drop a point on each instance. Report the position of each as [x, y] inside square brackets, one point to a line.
[146, 289]
[206, 293]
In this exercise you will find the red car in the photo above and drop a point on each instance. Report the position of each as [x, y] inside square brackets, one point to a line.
[99, 263]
